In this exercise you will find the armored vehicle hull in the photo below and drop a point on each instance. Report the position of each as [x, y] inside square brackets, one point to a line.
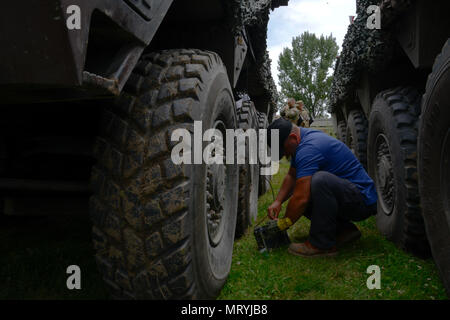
[91, 93]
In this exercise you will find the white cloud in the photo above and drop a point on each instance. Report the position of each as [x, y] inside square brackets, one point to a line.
[316, 16]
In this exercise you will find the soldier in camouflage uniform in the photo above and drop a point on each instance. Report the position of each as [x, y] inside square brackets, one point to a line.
[305, 119]
[290, 112]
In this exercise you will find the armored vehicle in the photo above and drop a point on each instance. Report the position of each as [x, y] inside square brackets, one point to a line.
[391, 104]
[91, 90]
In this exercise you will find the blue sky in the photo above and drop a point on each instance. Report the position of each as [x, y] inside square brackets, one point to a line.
[316, 16]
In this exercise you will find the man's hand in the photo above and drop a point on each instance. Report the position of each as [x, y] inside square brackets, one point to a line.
[274, 210]
[285, 192]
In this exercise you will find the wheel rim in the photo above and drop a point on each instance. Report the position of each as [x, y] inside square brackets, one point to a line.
[445, 176]
[215, 195]
[384, 175]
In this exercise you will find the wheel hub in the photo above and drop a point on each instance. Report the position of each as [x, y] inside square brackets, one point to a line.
[385, 175]
[385, 170]
[215, 195]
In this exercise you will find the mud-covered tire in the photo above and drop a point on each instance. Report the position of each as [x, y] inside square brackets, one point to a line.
[434, 162]
[356, 135]
[392, 163]
[151, 227]
[264, 180]
[248, 173]
[341, 131]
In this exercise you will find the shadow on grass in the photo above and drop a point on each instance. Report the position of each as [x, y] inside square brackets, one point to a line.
[35, 253]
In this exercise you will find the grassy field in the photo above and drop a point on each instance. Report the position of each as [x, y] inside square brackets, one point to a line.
[35, 252]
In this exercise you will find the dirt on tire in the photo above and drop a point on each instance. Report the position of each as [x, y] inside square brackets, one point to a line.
[248, 173]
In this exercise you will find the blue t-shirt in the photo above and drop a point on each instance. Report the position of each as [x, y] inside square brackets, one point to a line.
[318, 151]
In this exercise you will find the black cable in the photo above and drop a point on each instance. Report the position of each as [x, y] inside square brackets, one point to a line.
[273, 197]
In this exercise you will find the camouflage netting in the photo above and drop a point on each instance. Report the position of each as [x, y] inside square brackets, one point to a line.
[254, 15]
[364, 49]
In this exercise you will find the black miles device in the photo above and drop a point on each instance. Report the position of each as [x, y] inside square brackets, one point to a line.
[269, 237]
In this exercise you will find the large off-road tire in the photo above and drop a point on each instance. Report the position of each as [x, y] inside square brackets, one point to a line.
[161, 230]
[341, 132]
[356, 135]
[264, 180]
[392, 149]
[248, 173]
[434, 162]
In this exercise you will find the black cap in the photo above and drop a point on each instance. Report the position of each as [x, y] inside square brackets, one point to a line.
[285, 127]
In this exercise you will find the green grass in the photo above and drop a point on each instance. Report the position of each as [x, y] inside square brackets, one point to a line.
[280, 275]
[35, 252]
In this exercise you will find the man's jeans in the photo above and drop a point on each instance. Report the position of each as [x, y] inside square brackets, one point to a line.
[334, 203]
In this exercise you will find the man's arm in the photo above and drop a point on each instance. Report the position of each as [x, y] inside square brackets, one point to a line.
[287, 186]
[299, 200]
[284, 194]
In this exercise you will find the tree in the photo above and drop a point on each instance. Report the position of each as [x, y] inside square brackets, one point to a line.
[305, 70]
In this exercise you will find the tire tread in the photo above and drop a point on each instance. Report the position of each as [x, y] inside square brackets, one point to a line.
[138, 210]
[403, 102]
[247, 119]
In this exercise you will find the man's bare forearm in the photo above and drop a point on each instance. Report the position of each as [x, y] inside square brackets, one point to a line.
[295, 209]
[286, 188]
[299, 200]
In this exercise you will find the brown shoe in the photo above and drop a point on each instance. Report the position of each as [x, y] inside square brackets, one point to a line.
[306, 249]
[347, 235]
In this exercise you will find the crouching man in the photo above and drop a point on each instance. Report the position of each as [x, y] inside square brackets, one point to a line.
[327, 184]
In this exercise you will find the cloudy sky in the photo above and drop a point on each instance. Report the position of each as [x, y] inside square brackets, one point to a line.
[316, 16]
